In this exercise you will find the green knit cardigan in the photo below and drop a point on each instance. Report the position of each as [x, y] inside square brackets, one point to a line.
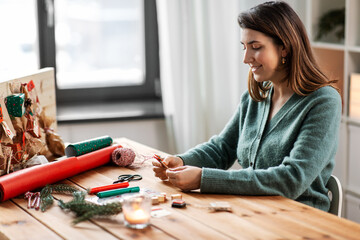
[291, 155]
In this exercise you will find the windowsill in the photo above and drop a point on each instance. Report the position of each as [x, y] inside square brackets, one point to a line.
[110, 111]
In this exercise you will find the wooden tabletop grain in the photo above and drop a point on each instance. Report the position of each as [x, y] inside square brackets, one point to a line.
[252, 217]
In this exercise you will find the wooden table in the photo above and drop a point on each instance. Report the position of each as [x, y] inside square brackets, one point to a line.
[261, 217]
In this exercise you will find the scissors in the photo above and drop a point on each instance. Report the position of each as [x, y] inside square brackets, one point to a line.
[128, 178]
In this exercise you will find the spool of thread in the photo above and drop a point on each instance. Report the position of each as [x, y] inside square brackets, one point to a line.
[123, 157]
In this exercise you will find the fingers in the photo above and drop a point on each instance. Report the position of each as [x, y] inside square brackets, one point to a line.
[185, 177]
[156, 163]
[160, 173]
[159, 170]
[173, 172]
[174, 163]
[174, 175]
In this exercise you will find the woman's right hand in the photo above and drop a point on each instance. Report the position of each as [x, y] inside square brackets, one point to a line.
[170, 161]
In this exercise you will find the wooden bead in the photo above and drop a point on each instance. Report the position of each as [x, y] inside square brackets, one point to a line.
[176, 196]
[154, 200]
[161, 198]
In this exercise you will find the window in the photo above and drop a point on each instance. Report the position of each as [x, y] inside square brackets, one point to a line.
[102, 50]
[99, 43]
[18, 42]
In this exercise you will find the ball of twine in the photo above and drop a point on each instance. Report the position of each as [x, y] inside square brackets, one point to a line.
[123, 157]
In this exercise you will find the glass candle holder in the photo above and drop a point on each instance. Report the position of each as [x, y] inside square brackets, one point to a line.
[136, 209]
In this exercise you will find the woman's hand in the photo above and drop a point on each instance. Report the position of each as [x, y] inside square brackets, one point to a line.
[170, 161]
[185, 177]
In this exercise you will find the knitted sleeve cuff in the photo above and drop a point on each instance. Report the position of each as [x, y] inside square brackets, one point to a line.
[217, 181]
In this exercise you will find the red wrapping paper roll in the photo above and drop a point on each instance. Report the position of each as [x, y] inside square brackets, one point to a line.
[24, 180]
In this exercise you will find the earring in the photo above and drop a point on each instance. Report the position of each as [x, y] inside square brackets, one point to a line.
[283, 60]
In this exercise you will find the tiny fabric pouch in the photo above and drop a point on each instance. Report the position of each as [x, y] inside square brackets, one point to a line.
[32, 126]
[80, 148]
[17, 152]
[15, 104]
[5, 124]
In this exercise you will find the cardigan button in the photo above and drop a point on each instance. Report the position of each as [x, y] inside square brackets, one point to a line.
[251, 164]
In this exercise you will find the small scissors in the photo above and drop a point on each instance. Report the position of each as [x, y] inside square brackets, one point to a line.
[128, 178]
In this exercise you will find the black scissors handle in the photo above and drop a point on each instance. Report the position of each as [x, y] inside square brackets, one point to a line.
[128, 178]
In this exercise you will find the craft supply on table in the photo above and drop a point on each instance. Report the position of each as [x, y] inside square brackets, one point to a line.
[154, 200]
[176, 196]
[178, 203]
[115, 192]
[220, 206]
[161, 161]
[128, 178]
[108, 187]
[33, 200]
[90, 145]
[158, 198]
[119, 198]
[123, 157]
[102, 201]
[136, 208]
[159, 212]
[13, 184]
[36, 160]
[161, 198]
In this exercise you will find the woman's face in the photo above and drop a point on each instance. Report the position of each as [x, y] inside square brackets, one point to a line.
[263, 56]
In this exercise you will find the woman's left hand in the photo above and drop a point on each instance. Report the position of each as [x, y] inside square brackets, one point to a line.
[185, 177]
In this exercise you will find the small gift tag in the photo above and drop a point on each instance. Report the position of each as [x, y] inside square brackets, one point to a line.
[7, 130]
[36, 128]
[7, 155]
[32, 126]
[30, 85]
[159, 212]
[6, 124]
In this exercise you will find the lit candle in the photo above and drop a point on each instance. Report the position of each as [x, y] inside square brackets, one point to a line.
[138, 216]
[137, 211]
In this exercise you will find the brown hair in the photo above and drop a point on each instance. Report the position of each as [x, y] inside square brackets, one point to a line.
[279, 21]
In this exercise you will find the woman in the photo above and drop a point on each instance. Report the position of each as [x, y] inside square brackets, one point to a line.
[284, 133]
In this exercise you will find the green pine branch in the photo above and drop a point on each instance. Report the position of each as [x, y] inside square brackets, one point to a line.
[46, 198]
[86, 210]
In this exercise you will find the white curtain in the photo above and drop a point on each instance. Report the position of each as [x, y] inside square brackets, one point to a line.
[201, 69]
